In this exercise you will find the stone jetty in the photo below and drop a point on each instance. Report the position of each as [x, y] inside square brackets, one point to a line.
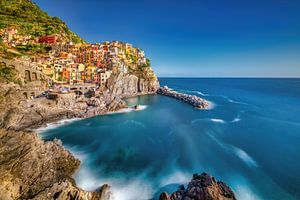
[193, 100]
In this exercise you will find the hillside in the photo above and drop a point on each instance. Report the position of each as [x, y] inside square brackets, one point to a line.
[29, 19]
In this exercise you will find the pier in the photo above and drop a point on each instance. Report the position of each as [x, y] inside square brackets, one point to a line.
[193, 100]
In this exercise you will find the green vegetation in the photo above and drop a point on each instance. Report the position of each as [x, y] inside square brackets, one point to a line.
[33, 48]
[29, 19]
[8, 74]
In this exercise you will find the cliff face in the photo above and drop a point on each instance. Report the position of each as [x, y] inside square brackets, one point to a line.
[127, 81]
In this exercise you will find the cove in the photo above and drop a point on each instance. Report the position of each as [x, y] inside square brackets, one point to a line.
[250, 140]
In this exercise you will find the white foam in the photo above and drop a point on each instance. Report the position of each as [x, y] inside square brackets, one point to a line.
[202, 94]
[244, 157]
[121, 189]
[86, 180]
[211, 105]
[54, 125]
[221, 121]
[136, 189]
[245, 193]
[218, 120]
[176, 178]
[237, 119]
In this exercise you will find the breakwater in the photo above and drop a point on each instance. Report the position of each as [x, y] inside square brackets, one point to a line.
[193, 100]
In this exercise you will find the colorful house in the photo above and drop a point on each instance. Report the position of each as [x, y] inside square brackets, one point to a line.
[49, 39]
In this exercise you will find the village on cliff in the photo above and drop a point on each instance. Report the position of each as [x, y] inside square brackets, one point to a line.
[67, 64]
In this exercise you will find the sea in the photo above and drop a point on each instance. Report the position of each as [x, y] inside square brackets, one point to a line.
[249, 139]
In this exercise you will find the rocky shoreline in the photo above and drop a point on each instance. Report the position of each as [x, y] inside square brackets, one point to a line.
[31, 168]
[193, 100]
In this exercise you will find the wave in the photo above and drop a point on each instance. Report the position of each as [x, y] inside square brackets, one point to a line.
[246, 158]
[194, 91]
[54, 125]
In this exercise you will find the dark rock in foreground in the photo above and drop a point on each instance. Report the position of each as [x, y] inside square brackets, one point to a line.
[201, 187]
[193, 100]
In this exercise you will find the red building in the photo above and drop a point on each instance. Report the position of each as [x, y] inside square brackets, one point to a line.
[49, 39]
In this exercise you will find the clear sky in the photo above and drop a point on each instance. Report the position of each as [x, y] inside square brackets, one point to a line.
[201, 38]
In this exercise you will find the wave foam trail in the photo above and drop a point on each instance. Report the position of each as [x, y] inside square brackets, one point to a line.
[221, 121]
[237, 119]
[54, 125]
[248, 160]
[233, 101]
[135, 123]
[202, 94]
[245, 193]
[177, 177]
[194, 91]
[218, 120]
[245, 157]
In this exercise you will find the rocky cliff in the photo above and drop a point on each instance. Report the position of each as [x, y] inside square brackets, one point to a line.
[201, 187]
[128, 81]
[18, 113]
[33, 169]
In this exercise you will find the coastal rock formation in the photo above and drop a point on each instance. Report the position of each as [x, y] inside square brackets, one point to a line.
[33, 169]
[125, 82]
[18, 113]
[193, 100]
[201, 187]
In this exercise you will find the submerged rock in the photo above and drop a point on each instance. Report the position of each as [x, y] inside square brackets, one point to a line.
[201, 187]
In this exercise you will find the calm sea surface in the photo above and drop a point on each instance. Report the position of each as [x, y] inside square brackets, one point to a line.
[250, 140]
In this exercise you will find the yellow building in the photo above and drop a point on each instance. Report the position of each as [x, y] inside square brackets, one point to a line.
[90, 73]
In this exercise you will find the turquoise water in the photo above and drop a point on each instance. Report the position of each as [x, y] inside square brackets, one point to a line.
[250, 140]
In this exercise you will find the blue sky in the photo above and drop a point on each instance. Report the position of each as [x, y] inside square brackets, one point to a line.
[199, 38]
